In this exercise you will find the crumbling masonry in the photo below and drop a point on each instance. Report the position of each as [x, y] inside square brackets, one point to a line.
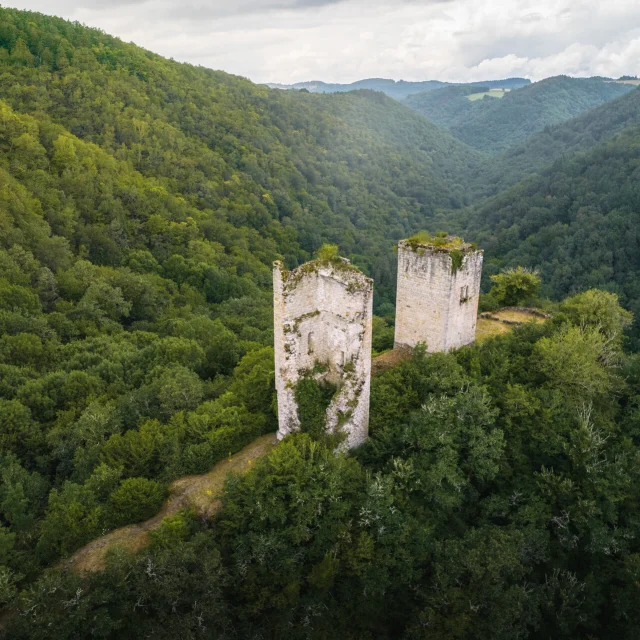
[322, 327]
[438, 293]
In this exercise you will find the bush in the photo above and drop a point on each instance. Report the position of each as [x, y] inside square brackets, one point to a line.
[513, 286]
[327, 252]
[201, 457]
[383, 335]
[487, 303]
[134, 500]
[313, 397]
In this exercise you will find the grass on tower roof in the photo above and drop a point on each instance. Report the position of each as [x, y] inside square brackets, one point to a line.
[441, 240]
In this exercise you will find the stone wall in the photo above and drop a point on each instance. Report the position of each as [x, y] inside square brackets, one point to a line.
[323, 315]
[435, 302]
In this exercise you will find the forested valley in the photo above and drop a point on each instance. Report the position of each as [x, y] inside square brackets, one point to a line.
[495, 124]
[142, 203]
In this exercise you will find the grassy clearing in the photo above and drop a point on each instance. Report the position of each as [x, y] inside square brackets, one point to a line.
[487, 328]
[200, 493]
[635, 83]
[493, 93]
[517, 316]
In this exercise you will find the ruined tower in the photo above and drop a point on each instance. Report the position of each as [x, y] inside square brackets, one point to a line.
[438, 292]
[322, 329]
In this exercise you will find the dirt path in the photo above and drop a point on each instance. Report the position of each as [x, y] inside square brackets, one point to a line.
[199, 492]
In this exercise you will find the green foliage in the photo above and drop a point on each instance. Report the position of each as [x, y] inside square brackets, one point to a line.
[313, 398]
[327, 252]
[457, 257]
[579, 361]
[493, 125]
[514, 286]
[142, 203]
[441, 239]
[598, 310]
[575, 223]
[134, 500]
[383, 335]
[558, 142]
[497, 488]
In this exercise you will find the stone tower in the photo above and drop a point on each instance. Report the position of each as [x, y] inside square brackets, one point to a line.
[438, 292]
[322, 328]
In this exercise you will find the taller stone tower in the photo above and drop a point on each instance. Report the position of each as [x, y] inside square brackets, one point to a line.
[438, 292]
[322, 329]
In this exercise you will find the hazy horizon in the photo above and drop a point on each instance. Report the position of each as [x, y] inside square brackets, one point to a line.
[342, 41]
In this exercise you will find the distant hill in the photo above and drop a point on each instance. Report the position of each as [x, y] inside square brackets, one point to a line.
[562, 140]
[395, 89]
[493, 125]
[449, 106]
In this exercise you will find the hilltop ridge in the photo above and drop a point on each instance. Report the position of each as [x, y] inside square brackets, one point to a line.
[398, 89]
[493, 125]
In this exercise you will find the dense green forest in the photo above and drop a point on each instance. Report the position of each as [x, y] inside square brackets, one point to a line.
[450, 105]
[356, 169]
[577, 222]
[560, 141]
[142, 203]
[492, 125]
[497, 498]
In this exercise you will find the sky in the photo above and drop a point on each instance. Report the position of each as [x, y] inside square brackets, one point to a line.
[288, 41]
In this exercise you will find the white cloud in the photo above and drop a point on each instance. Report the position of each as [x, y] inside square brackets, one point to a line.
[346, 40]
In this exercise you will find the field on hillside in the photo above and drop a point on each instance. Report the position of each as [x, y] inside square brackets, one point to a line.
[493, 93]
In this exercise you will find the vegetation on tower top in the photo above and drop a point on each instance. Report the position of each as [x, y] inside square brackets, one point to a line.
[441, 240]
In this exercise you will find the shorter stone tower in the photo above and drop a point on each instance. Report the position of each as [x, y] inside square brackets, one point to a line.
[438, 292]
[322, 328]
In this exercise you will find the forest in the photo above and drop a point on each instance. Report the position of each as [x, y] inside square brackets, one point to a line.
[493, 125]
[142, 203]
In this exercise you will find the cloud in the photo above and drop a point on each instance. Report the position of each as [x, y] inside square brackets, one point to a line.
[346, 40]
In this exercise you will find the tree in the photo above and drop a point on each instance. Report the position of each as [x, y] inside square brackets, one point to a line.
[580, 361]
[599, 310]
[21, 54]
[134, 500]
[513, 286]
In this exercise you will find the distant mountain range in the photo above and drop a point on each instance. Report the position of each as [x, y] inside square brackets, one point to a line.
[399, 89]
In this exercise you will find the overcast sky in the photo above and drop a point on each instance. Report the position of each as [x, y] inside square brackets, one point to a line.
[346, 40]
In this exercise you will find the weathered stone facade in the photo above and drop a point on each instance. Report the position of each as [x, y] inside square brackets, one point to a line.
[323, 315]
[437, 297]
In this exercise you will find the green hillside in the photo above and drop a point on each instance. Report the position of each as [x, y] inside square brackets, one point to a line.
[578, 222]
[493, 125]
[446, 106]
[359, 170]
[559, 141]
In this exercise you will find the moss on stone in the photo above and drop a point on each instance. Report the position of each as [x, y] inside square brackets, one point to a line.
[358, 281]
[457, 258]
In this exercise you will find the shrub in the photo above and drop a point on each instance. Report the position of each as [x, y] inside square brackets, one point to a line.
[134, 500]
[327, 252]
[313, 399]
[513, 286]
